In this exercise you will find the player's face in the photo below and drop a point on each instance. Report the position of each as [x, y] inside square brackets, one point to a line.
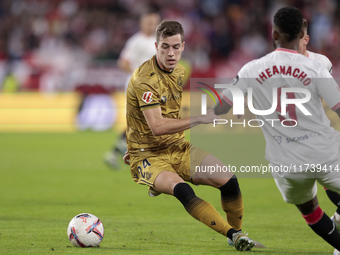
[149, 23]
[169, 51]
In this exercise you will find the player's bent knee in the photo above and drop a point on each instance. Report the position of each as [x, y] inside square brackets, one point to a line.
[231, 182]
[230, 188]
[184, 193]
[166, 181]
[309, 207]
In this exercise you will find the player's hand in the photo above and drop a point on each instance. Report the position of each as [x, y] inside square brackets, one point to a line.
[126, 158]
[209, 117]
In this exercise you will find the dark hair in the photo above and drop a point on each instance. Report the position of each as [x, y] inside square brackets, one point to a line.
[289, 21]
[304, 24]
[169, 28]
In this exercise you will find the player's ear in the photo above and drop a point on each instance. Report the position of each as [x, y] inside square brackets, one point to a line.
[156, 45]
[275, 35]
[307, 39]
[183, 46]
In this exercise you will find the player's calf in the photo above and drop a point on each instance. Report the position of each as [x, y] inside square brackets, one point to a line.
[232, 203]
[335, 198]
[202, 210]
[323, 226]
[206, 213]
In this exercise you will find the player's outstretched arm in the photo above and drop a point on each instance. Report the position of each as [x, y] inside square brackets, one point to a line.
[222, 109]
[164, 126]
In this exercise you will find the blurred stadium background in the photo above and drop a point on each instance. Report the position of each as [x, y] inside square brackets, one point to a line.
[54, 52]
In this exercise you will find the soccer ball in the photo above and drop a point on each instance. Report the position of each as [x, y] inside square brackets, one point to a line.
[85, 230]
[336, 252]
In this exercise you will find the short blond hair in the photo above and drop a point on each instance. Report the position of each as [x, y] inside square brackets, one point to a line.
[304, 24]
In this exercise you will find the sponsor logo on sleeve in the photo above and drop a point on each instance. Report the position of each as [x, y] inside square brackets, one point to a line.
[147, 97]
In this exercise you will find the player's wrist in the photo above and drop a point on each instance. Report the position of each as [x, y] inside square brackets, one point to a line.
[198, 119]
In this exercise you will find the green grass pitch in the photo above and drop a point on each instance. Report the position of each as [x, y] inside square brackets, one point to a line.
[46, 179]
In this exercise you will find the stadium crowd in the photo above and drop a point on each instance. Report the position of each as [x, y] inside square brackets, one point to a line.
[58, 45]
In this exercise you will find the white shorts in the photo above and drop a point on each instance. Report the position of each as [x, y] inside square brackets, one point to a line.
[300, 187]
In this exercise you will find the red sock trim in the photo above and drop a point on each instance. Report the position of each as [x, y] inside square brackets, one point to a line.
[325, 188]
[314, 217]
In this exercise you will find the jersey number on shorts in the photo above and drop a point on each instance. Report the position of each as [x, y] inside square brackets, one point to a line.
[145, 175]
[290, 108]
[146, 163]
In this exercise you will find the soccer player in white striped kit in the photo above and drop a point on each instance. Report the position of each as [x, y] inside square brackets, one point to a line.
[323, 60]
[295, 141]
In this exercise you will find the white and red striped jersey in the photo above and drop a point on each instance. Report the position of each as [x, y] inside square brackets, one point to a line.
[303, 139]
[322, 59]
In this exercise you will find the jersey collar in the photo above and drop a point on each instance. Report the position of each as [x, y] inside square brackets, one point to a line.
[287, 50]
[160, 67]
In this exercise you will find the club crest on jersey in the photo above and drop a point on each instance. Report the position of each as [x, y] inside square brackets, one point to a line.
[180, 81]
[147, 97]
[163, 99]
[278, 138]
